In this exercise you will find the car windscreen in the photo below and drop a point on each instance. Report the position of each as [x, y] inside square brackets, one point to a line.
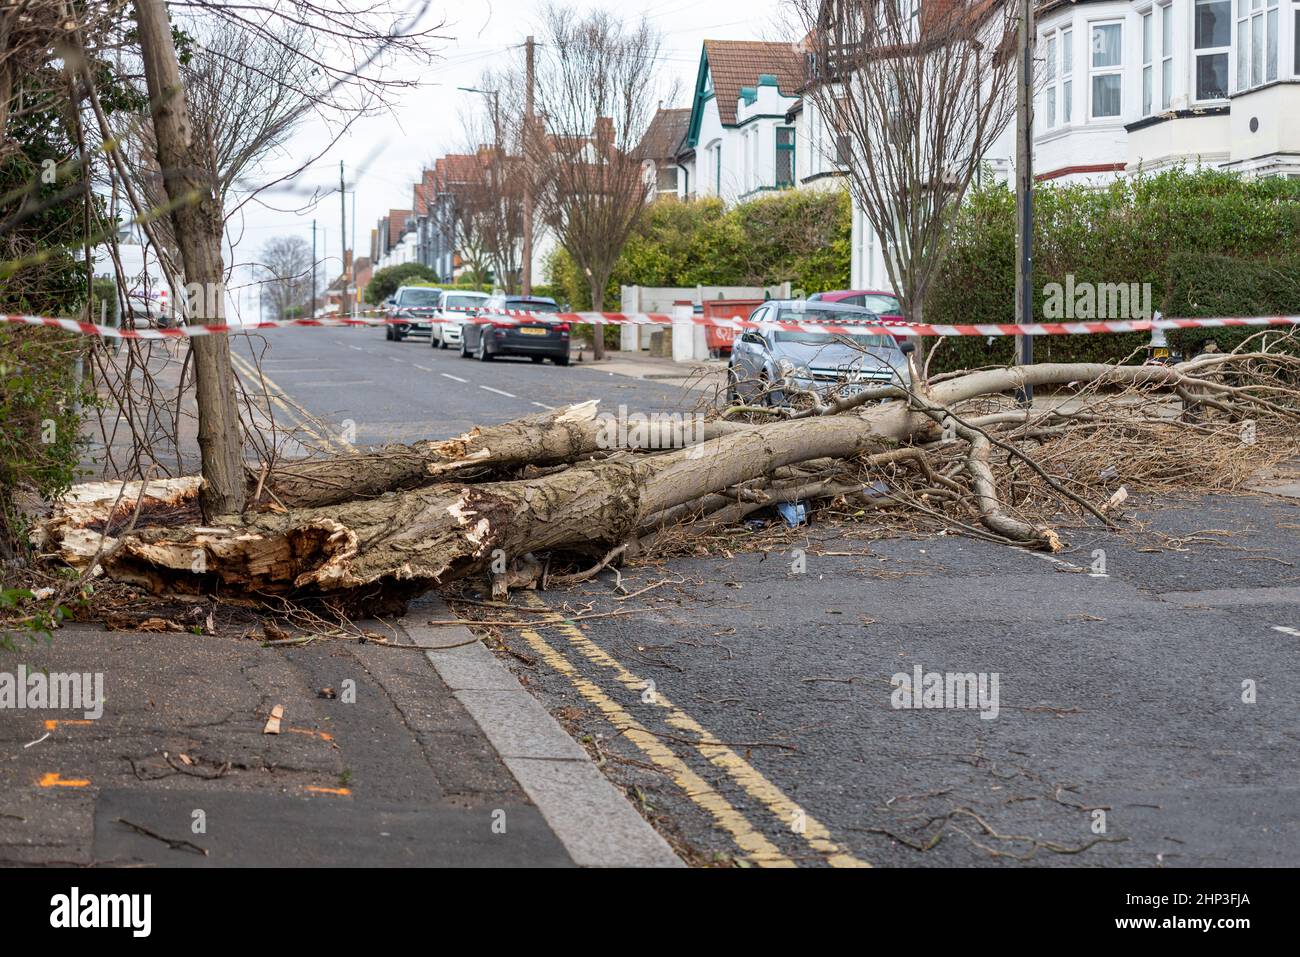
[419, 297]
[531, 305]
[881, 305]
[826, 317]
[463, 302]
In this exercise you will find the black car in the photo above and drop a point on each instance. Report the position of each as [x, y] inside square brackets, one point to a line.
[414, 304]
[498, 333]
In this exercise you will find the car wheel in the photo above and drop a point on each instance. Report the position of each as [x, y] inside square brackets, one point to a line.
[538, 358]
[398, 335]
[483, 354]
[733, 386]
[561, 360]
[464, 351]
[442, 343]
[388, 333]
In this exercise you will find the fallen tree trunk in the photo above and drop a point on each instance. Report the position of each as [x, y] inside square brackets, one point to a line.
[547, 438]
[376, 554]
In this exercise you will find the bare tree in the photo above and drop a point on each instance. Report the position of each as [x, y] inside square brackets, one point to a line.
[360, 42]
[286, 268]
[246, 94]
[919, 93]
[595, 84]
[198, 223]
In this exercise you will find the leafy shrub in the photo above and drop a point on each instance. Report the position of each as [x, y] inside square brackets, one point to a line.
[40, 441]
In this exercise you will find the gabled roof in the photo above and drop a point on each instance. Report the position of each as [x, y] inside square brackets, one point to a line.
[739, 63]
[663, 137]
[397, 225]
[733, 65]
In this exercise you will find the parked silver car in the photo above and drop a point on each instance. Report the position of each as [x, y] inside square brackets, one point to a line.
[770, 365]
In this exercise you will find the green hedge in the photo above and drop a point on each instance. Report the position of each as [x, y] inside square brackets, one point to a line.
[1145, 229]
[798, 236]
[1205, 284]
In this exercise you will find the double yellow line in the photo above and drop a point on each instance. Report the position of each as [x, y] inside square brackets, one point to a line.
[296, 413]
[755, 846]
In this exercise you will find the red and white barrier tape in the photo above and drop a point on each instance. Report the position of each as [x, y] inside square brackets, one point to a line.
[884, 327]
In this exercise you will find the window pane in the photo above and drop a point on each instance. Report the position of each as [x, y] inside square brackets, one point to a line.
[1212, 76]
[1050, 68]
[1146, 38]
[784, 168]
[1106, 44]
[1049, 102]
[1166, 83]
[1256, 51]
[1105, 95]
[1296, 66]
[1067, 101]
[1272, 46]
[1166, 31]
[1213, 25]
[1067, 51]
[1243, 56]
[1146, 90]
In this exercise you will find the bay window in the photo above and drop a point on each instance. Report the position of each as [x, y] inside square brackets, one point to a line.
[1058, 87]
[1107, 70]
[1257, 26]
[1212, 42]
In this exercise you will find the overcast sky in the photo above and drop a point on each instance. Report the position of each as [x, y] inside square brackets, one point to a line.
[383, 155]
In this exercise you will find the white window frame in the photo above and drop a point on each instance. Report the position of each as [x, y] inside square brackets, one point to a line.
[1199, 52]
[1052, 90]
[1256, 19]
[1058, 92]
[1295, 40]
[1116, 69]
[1148, 58]
[1166, 55]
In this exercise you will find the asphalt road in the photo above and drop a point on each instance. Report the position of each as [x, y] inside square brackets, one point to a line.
[1145, 717]
[1122, 735]
[406, 391]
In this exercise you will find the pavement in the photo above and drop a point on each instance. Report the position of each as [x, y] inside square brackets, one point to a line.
[746, 705]
[387, 755]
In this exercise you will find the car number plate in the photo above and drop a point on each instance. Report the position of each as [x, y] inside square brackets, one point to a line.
[852, 389]
[533, 331]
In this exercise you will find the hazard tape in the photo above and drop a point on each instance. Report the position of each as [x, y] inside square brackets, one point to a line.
[880, 327]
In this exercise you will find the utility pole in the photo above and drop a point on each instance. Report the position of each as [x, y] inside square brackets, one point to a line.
[343, 237]
[1025, 191]
[527, 277]
[313, 269]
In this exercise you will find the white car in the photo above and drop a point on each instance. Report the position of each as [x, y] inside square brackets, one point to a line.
[453, 309]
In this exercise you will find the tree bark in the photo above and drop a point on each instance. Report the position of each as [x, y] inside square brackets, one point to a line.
[377, 554]
[597, 330]
[198, 222]
[543, 439]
